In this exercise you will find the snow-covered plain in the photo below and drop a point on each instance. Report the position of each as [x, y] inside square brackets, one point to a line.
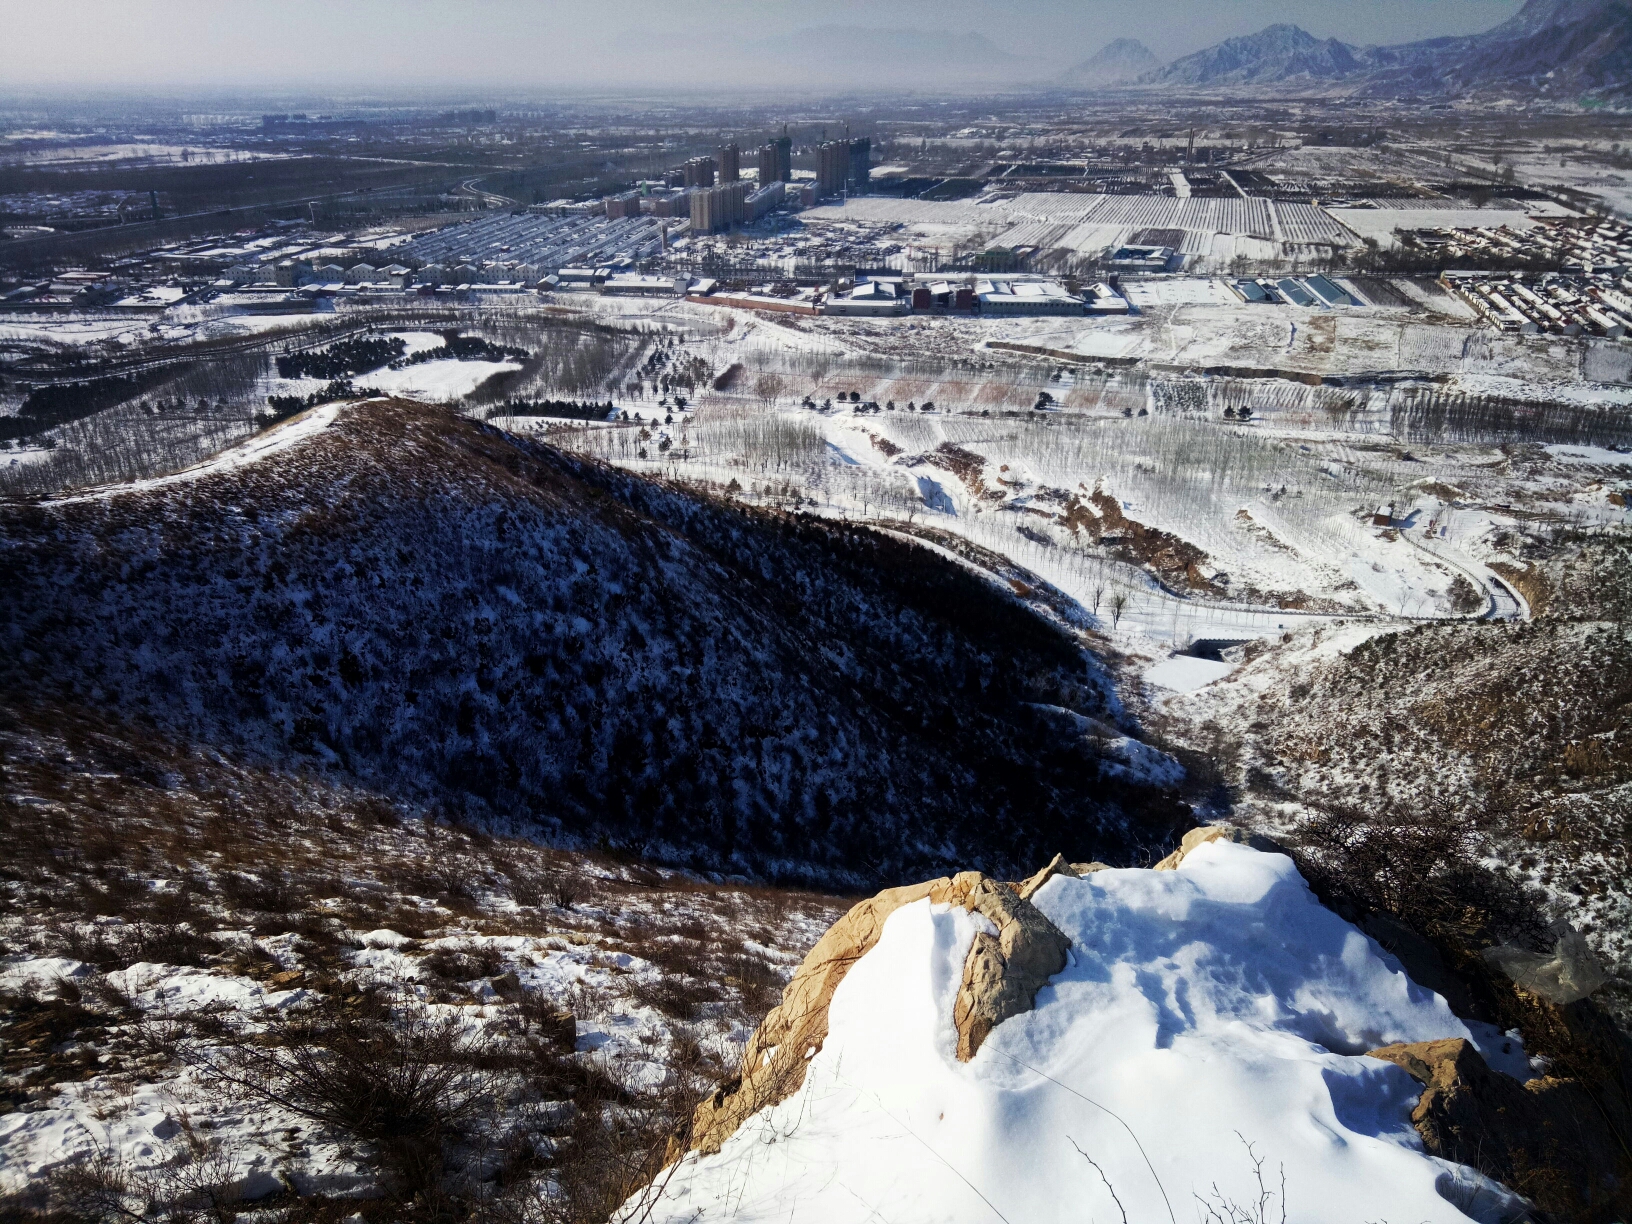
[1186, 673]
[1205, 1015]
[439, 382]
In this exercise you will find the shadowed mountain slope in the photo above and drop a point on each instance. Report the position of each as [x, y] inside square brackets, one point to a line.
[449, 613]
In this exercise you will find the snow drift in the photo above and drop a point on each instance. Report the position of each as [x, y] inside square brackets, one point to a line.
[1207, 1034]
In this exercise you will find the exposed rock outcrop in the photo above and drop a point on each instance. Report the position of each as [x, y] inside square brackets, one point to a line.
[1524, 1135]
[1001, 977]
[1212, 833]
[1056, 866]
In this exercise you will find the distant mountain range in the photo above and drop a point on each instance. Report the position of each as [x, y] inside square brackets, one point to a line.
[1561, 48]
[1564, 47]
[1117, 63]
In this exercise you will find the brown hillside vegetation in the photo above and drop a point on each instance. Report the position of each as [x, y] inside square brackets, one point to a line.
[451, 614]
[345, 1004]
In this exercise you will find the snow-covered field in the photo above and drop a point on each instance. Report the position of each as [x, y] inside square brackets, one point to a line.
[1208, 1018]
[1281, 511]
[1382, 224]
[437, 382]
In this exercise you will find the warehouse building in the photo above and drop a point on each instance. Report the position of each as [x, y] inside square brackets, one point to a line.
[1104, 300]
[635, 284]
[1142, 258]
[1004, 297]
[869, 299]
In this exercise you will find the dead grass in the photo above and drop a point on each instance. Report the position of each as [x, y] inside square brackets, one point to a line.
[455, 1124]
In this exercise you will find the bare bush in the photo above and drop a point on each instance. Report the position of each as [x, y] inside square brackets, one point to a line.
[1426, 869]
[201, 1187]
[405, 1084]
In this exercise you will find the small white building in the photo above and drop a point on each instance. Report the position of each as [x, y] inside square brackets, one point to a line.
[1103, 300]
[872, 298]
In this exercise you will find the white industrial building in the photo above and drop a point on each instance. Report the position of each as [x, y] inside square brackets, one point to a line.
[636, 284]
[872, 298]
[1036, 297]
[1102, 300]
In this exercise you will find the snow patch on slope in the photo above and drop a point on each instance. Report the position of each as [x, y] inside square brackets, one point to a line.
[437, 382]
[279, 438]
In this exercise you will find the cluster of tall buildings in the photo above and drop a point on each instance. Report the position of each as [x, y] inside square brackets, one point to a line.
[713, 193]
[719, 208]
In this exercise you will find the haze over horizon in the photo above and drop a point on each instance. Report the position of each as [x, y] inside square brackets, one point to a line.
[371, 45]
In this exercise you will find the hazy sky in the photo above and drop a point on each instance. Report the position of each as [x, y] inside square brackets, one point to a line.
[534, 44]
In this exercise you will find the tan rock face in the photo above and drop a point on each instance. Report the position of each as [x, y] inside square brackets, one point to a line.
[1540, 1137]
[1001, 977]
[1003, 972]
[1212, 833]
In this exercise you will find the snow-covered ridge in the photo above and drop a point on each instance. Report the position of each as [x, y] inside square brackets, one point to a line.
[278, 438]
[444, 608]
[1207, 1017]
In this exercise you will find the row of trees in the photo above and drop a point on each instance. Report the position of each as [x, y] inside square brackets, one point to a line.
[357, 355]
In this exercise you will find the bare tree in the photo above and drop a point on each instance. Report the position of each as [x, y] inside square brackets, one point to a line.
[1119, 602]
[769, 388]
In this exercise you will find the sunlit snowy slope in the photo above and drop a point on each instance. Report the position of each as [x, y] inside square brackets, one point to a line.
[1208, 1018]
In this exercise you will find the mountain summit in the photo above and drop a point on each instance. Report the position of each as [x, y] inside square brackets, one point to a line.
[1562, 46]
[1116, 63]
[1281, 52]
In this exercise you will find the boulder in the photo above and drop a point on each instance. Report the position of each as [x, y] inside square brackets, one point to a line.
[1001, 977]
[1545, 1138]
[1003, 972]
[1056, 866]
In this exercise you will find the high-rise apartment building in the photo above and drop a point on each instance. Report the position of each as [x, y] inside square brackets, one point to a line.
[730, 163]
[776, 161]
[700, 172]
[832, 168]
[861, 164]
[719, 208]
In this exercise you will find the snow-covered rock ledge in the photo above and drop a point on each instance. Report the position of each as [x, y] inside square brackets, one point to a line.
[1092, 1043]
